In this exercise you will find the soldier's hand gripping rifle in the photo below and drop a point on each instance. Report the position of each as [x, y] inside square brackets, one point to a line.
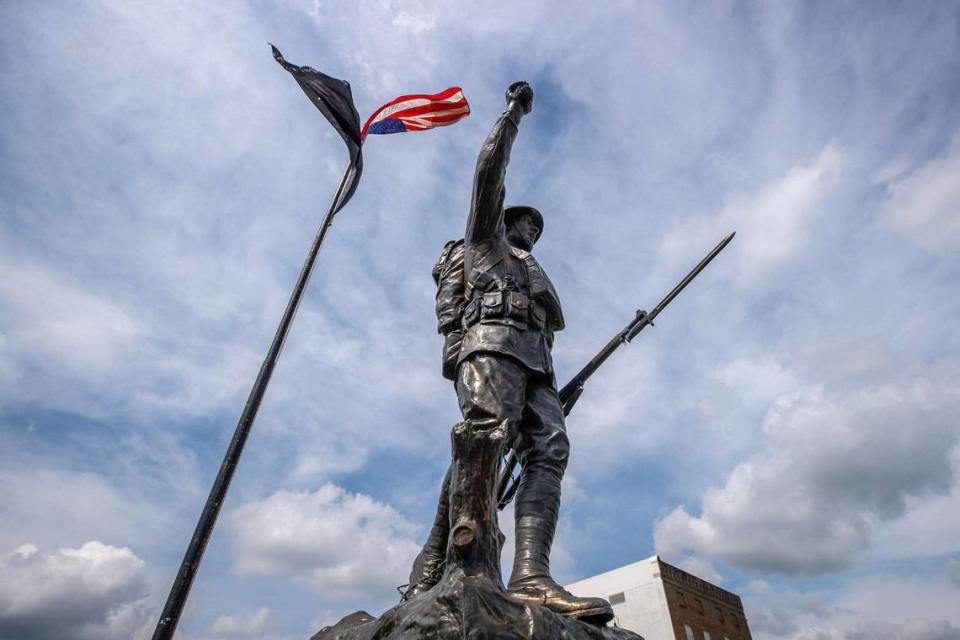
[571, 392]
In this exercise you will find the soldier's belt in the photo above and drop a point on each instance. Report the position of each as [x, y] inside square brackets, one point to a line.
[504, 306]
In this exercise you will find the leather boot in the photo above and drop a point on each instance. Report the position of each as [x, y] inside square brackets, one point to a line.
[537, 510]
[429, 565]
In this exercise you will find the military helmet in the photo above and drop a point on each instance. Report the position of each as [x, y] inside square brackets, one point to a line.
[511, 212]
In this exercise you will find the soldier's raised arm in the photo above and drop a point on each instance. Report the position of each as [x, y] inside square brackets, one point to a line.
[486, 206]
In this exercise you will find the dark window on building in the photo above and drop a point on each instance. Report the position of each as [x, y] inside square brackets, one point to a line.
[720, 615]
[681, 599]
[699, 604]
[617, 598]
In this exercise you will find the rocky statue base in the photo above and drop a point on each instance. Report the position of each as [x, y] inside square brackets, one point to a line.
[469, 602]
[467, 608]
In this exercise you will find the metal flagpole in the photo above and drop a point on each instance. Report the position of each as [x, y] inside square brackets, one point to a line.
[191, 560]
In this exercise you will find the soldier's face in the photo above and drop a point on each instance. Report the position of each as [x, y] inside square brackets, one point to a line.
[523, 231]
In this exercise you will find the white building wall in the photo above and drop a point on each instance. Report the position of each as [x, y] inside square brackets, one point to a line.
[638, 598]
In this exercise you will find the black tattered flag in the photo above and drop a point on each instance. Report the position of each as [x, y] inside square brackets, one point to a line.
[335, 101]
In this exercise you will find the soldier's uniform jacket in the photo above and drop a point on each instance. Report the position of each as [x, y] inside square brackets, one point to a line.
[500, 298]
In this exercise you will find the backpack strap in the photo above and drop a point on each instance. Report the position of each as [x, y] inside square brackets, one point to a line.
[448, 274]
[442, 260]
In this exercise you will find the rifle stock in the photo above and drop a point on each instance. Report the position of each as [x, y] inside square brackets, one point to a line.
[570, 399]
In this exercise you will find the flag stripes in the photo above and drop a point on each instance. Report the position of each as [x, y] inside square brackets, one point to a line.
[418, 112]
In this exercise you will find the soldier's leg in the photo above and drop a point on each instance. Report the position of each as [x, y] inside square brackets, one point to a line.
[490, 389]
[428, 566]
[543, 448]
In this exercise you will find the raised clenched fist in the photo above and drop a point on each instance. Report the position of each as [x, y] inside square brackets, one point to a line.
[521, 93]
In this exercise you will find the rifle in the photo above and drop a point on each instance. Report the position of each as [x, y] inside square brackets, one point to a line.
[571, 392]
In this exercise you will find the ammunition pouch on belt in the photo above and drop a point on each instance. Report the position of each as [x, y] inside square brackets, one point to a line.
[505, 307]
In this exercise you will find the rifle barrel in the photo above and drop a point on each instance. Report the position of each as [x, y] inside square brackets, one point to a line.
[667, 299]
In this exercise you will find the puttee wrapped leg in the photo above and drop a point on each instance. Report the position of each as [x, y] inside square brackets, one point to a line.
[430, 562]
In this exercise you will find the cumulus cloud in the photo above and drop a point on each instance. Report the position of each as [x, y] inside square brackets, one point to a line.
[910, 630]
[834, 465]
[926, 530]
[95, 591]
[883, 606]
[342, 544]
[780, 614]
[701, 568]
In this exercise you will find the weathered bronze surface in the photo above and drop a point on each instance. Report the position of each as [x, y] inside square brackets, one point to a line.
[503, 311]
[498, 312]
[460, 607]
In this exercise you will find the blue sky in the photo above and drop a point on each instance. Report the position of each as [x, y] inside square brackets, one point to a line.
[789, 429]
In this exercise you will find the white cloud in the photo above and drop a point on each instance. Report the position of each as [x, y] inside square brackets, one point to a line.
[701, 568]
[910, 630]
[925, 205]
[61, 333]
[781, 614]
[756, 381]
[891, 170]
[251, 626]
[886, 606]
[343, 545]
[929, 528]
[833, 466]
[55, 506]
[52, 318]
[774, 222]
[95, 591]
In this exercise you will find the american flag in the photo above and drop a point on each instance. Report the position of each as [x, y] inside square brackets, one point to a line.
[418, 112]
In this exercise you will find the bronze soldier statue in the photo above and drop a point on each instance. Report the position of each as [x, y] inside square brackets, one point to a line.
[498, 312]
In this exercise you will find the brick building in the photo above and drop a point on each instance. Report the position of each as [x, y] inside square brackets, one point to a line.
[661, 602]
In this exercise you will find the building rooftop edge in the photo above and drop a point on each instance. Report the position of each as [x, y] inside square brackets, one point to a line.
[660, 563]
[663, 563]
